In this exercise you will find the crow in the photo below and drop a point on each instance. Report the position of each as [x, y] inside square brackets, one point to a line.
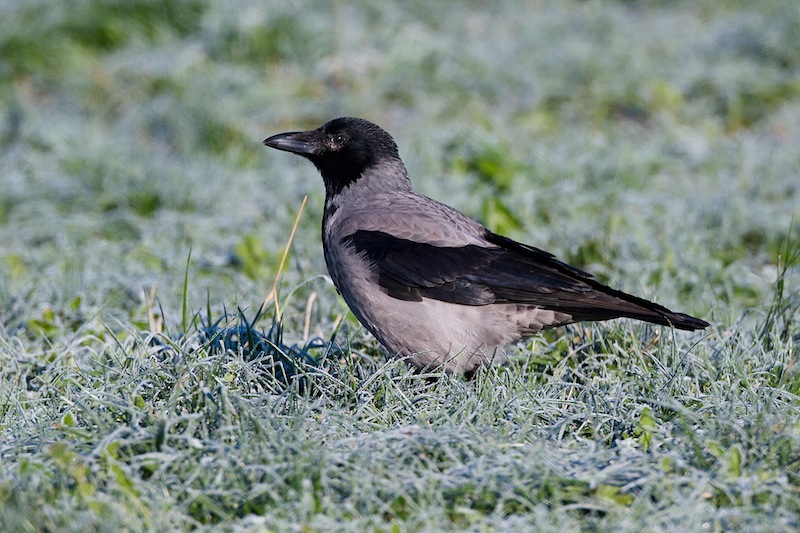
[431, 284]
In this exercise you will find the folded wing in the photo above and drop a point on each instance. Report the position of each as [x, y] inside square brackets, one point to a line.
[502, 271]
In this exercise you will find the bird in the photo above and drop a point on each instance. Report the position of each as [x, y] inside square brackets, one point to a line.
[434, 286]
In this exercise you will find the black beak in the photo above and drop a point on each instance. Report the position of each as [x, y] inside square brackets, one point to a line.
[304, 143]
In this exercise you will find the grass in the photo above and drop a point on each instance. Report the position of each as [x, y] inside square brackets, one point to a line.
[652, 144]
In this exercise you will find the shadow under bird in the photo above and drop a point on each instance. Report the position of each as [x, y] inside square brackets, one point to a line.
[433, 285]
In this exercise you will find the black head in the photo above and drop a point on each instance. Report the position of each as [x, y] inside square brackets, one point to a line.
[342, 149]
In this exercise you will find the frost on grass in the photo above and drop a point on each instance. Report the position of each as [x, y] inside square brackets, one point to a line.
[620, 427]
[653, 145]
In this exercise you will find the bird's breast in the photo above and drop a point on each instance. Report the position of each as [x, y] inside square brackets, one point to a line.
[351, 272]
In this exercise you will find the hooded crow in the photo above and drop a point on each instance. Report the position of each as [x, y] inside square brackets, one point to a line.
[430, 283]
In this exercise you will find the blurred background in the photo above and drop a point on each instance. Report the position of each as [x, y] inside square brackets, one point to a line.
[653, 143]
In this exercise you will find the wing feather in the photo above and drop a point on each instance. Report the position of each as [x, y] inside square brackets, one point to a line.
[501, 271]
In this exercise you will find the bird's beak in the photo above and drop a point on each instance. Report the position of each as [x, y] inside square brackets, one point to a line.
[297, 142]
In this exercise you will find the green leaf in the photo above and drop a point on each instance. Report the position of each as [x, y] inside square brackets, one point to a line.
[68, 420]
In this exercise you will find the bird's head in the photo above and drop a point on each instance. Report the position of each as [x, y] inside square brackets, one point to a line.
[343, 150]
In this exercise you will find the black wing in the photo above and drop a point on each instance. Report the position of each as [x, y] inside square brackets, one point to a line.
[510, 272]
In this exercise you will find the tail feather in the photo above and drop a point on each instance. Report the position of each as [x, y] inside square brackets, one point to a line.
[607, 303]
[564, 288]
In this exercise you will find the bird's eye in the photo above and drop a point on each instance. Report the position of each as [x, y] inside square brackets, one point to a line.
[338, 139]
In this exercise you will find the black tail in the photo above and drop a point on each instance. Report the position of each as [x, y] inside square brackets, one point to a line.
[607, 303]
[561, 287]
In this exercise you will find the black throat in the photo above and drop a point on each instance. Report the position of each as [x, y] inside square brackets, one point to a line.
[337, 173]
